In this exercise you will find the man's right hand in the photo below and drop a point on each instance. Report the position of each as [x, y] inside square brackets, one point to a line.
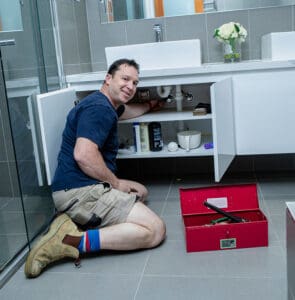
[126, 186]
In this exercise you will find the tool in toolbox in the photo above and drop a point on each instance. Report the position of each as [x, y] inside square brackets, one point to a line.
[230, 216]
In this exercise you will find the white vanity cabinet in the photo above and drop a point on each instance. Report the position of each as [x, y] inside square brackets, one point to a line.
[252, 103]
[264, 110]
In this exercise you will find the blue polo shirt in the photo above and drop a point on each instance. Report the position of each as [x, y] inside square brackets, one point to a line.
[93, 118]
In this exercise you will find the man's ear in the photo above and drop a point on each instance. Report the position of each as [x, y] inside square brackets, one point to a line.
[108, 78]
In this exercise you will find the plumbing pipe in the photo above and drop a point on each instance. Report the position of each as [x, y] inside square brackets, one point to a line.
[178, 97]
[164, 91]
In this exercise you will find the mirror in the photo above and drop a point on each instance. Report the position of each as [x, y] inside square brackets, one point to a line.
[10, 15]
[120, 10]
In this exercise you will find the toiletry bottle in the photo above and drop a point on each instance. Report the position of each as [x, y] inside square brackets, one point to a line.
[136, 136]
[144, 137]
[155, 136]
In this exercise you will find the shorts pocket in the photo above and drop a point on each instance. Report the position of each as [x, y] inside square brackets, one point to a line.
[82, 212]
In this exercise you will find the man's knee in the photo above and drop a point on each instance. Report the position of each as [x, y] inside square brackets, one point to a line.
[154, 227]
[157, 233]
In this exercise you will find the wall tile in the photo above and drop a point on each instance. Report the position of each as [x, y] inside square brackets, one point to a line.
[188, 27]
[13, 172]
[68, 32]
[266, 20]
[92, 11]
[7, 150]
[3, 155]
[66, 14]
[21, 55]
[214, 20]
[72, 69]
[44, 15]
[70, 48]
[48, 47]
[141, 31]
[99, 66]
[86, 67]
[5, 184]
[82, 27]
[113, 34]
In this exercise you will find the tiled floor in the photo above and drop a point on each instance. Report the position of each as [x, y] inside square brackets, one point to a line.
[168, 272]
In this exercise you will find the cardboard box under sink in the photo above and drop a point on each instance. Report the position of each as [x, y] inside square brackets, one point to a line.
[240, 200]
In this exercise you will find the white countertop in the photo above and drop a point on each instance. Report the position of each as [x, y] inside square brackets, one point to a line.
[211, 72]
[205, 73]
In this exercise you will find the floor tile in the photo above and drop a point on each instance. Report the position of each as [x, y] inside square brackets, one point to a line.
[172, 258]
[277, 187]
[69, 286]
[191, 288]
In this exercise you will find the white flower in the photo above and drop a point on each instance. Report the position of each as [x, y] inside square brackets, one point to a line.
[229, 32]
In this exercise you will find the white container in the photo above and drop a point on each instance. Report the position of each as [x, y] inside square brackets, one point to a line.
[278, 46]
[189, 139]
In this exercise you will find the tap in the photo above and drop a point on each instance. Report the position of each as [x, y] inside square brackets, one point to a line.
[158, 32]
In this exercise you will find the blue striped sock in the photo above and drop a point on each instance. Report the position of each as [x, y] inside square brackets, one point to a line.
[90, 241]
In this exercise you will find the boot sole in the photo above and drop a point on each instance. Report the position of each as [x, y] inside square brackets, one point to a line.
[54, 227]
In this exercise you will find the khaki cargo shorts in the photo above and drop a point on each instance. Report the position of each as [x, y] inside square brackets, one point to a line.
[81, 204]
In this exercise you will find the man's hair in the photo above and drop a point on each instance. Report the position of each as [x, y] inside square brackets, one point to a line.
[123, 61]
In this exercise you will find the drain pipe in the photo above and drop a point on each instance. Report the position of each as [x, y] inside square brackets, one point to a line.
[178, 97]
[164, 91]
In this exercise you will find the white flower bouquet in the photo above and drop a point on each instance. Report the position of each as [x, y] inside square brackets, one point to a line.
[231, 34]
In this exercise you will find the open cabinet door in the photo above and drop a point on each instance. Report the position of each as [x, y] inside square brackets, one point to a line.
[53, 109]
[224, 146]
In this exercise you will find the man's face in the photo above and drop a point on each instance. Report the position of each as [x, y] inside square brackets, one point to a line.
[122, 85]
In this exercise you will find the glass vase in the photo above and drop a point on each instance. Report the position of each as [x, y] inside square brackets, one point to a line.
[232, 52]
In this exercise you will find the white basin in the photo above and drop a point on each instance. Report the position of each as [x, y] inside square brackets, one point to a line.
[161, 55]
[278, 46]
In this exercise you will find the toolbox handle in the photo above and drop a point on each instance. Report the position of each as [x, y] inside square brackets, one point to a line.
[227, 214]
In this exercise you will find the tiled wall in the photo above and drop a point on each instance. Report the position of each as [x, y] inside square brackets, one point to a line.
[257, 22]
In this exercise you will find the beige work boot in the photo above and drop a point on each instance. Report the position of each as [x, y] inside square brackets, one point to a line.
[51, 248]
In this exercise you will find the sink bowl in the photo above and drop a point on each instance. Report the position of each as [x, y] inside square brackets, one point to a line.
[162, 55]
[278, 46]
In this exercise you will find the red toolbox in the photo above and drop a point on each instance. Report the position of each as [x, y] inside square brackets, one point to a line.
[240, 201]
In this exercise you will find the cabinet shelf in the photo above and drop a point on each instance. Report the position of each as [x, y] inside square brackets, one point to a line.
[200, 151]
[168, 115]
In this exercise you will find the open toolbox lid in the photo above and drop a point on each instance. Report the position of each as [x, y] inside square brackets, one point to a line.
[228, 197]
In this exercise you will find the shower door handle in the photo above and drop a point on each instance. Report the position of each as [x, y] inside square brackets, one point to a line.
[7, 42]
